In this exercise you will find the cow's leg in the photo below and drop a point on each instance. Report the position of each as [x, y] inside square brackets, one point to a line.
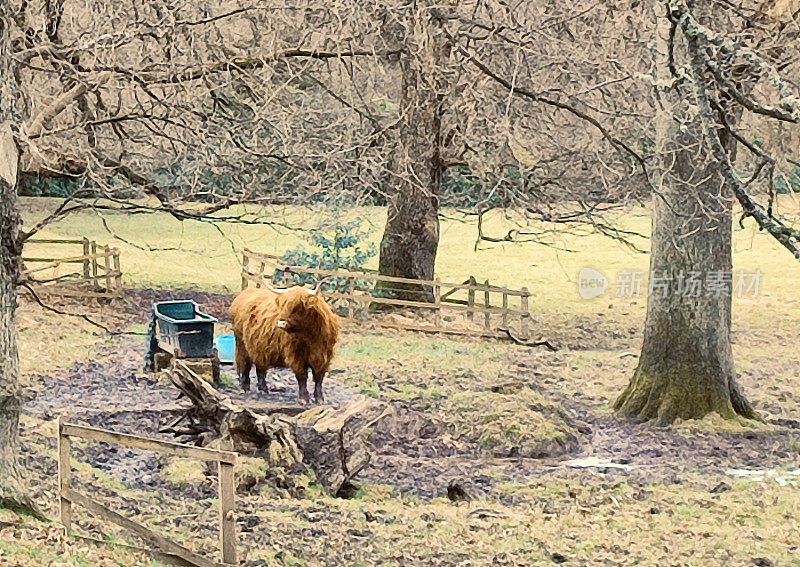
[302, 378]
[243, 365]
[244, 374]
[261, 373]
[319, 398]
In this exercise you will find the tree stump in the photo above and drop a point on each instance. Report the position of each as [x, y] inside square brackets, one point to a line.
[332, 442]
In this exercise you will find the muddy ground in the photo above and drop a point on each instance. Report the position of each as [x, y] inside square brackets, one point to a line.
[415, 454]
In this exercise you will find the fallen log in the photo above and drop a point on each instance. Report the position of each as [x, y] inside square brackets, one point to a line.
[331, 441]
[527, 342]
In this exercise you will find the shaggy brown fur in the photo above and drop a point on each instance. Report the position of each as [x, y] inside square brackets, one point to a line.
[295, 329]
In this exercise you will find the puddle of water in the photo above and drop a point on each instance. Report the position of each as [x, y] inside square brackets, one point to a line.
[782, 478]
[594, 462]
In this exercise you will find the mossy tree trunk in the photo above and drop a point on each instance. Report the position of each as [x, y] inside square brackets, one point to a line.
[686, 365]
[13, 491]
[411, 237]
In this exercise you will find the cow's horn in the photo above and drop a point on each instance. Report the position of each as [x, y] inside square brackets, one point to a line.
[274, 289]
[319, 285]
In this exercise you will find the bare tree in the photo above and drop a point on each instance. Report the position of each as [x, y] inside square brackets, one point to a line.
[555, 121]
[411, 236]
[194, 103]
[12, 487]
[703, 81]
[237, 102]
[463, 64]
[686, 367]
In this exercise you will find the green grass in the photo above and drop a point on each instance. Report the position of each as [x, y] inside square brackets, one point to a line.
[402, 366]
[658, 524]
[183, 472]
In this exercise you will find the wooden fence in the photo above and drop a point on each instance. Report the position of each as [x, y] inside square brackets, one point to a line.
[495, 308]
[83, 270]
[164, 548]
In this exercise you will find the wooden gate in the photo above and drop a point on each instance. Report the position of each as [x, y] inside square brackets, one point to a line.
[84, 269]
[164, 547]
[492, 306]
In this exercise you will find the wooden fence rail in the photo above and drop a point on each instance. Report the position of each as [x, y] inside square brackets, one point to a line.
[164, 547]
[359, 290]
[99, 274]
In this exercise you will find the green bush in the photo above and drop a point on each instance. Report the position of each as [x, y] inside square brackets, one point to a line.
[330, 247]
[35, 186]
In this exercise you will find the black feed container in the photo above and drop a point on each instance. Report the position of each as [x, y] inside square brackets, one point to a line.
[182, 330]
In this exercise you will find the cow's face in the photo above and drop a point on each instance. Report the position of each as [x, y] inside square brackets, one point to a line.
[298, 310]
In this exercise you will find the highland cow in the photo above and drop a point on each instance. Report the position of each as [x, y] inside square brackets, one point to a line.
[292, 328]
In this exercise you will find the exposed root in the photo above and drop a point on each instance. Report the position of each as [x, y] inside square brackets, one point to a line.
[740, 404]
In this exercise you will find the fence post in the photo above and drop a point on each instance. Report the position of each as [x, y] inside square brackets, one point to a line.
[245, 265]
[261, 269]
[487, 315]
[93, 247]
[351, 299]
[86, 258]
[471, 298]
[505, 307]
[524, 313]
[117, 274]
[227, 517]
[437, 300]
[107, 262]
[64, 450]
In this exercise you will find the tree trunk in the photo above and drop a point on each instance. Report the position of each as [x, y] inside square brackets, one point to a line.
[686, 365]
[411, 237]
[12, 488]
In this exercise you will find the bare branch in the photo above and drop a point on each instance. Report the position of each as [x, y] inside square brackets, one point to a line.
[786, 236]
[34, 127]
[27, 285]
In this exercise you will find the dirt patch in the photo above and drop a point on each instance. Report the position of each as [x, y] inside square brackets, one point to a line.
[426, 444]
[413, 452]
[656, 449]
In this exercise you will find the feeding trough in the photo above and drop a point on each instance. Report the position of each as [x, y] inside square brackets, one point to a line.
[183, 330]
[179, 329]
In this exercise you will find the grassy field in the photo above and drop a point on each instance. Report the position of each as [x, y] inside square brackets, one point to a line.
[663, 513]
[164, 252]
